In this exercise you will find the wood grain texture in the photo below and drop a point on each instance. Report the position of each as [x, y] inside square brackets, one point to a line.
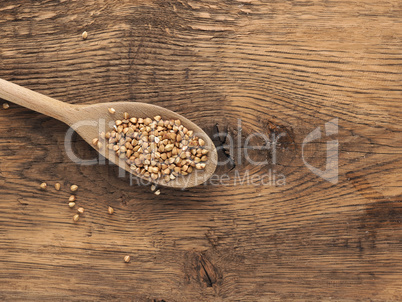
[279, 66]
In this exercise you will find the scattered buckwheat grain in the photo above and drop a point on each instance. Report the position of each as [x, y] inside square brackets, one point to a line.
[84, 35]
[110, 210]
[74, 188]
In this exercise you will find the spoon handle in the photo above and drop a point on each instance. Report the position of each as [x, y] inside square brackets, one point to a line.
[35, 101]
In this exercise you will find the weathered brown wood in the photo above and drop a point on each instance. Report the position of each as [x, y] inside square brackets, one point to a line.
[280, 67]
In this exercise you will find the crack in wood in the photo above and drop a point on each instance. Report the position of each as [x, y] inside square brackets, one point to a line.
[221, 145]
[209, 280]
[200, 269]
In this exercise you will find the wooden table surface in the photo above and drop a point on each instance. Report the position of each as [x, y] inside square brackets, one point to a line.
[238, 68]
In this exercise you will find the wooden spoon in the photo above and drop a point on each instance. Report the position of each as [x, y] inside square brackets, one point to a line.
[87, 121]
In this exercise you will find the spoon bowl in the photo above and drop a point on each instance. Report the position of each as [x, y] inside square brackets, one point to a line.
[90, 120]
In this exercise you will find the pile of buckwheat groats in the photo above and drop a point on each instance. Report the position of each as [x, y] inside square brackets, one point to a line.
[154, 148]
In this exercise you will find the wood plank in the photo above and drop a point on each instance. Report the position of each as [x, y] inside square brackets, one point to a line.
[279, 67]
